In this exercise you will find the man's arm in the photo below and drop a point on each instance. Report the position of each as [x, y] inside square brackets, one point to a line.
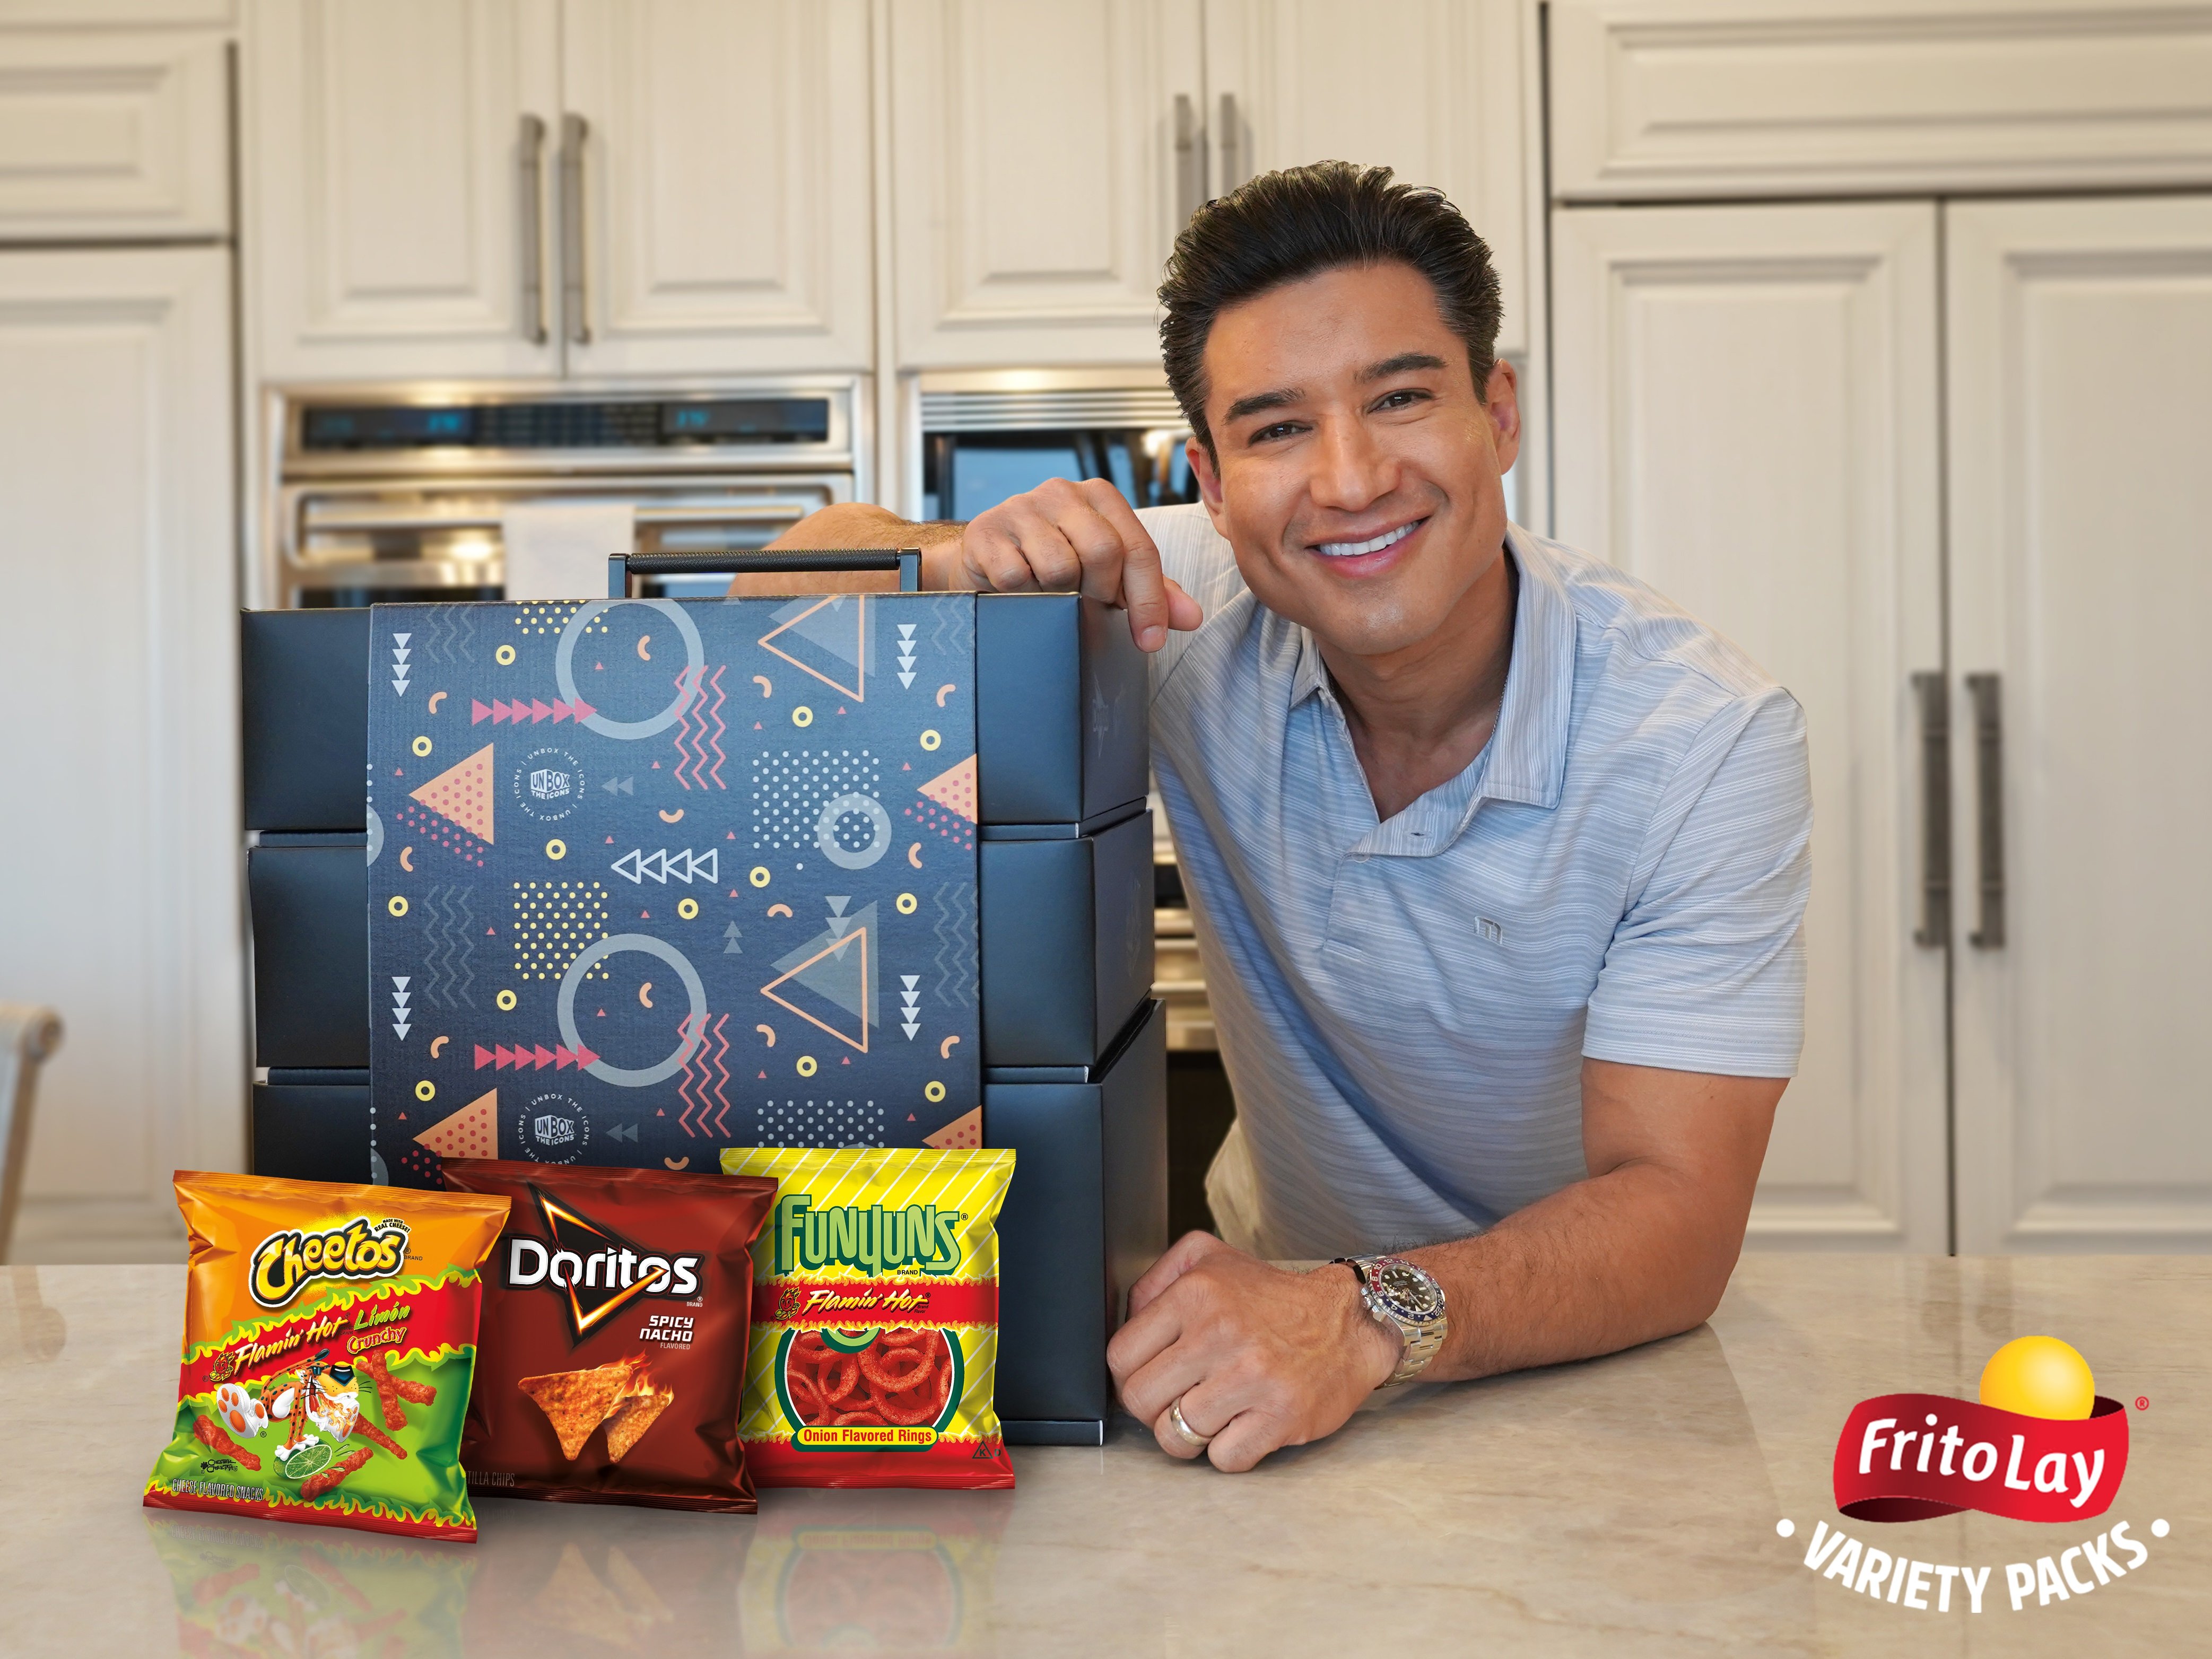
[1641, 1248]
[1059, 538]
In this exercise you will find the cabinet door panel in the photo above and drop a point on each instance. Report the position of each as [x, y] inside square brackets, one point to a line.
[389, 214]
[2080, 386]
[1034, 168]
[1746, 420]
[1706, 98]
[727, 183]
[112, 136]
[118, 650]
[1430, 89]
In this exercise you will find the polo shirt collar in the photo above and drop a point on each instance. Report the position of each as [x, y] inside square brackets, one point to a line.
[1527, 756]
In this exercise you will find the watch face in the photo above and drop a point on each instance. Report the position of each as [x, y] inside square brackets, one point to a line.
[1410, 1294]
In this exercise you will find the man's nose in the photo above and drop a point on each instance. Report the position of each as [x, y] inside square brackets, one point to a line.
[1352, 470]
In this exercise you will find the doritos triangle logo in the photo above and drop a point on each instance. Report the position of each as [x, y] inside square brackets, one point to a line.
[597, 1271]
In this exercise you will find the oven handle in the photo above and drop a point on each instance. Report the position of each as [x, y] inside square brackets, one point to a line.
[906, 561]
[748, 513]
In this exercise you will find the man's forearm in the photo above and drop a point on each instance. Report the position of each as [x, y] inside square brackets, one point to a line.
[1616, 1260]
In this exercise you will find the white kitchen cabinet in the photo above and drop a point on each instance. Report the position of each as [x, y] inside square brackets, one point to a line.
[529, 188]
[2079, 351]
[1706, 98]
[1036, 178]
[112, 136]
[1747, 418]
[1045, 156]
[726, 186]
[400, 195]
[1429, 87]
[119, 648]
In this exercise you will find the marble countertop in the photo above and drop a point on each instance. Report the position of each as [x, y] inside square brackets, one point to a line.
[1631, 1505]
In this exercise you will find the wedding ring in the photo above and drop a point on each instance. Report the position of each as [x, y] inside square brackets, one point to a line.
[1190, 1437]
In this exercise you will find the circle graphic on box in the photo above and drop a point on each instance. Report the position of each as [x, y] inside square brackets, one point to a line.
[687, 684]
[694, 1026]
[548, 785]
[854, 831]
[552, 1129]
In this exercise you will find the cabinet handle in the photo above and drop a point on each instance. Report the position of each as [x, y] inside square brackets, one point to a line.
[1190, 161]
[1934, 701]
[530, 191]
[1231, 148]
[1989, 794]
[575, 320]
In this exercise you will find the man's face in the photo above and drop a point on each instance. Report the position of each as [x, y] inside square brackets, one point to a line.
[1359, 465]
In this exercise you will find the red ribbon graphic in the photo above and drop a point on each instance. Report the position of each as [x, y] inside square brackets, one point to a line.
[2025, 1468]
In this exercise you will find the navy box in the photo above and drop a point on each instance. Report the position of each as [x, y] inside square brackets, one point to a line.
[312, 1125]
[1066, 945]
[1062, 713]
[1087, 1215]
[309, 896]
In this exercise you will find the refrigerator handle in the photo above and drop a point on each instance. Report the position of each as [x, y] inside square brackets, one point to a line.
[1989, 792]
[1933, 696]
[1231, 148]
[574, 318]
[530, 194]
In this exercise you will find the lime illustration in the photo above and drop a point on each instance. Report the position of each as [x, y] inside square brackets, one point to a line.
[311, 1457]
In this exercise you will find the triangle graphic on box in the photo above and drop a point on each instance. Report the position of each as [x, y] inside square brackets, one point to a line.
[835, 628]
[837, 970]
[472, 1131]
[463, 792]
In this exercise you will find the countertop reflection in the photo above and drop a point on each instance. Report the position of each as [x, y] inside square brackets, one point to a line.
[1629, 1503]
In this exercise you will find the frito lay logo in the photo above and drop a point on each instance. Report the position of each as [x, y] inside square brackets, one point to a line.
[879, 1240]
[598, 1271]
[2041, 1444]
[284, 1264]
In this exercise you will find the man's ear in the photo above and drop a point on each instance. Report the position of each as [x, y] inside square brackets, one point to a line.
[1501, 399]
[1209, 483]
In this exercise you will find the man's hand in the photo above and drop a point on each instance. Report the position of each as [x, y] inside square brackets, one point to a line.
[1259, 1357]
[1067, 537]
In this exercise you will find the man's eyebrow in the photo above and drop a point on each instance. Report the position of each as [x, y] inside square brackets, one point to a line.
[1260, 402]
[1404, 363]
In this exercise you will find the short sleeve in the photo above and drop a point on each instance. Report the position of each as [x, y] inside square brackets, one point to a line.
[1197, 559]
[1706, 970]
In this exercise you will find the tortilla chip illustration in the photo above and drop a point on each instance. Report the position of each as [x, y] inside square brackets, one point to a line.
[633, 1417]
[575, 1600]
[576, 1402]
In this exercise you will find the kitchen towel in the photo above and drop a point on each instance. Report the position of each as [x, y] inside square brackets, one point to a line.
[560, 549]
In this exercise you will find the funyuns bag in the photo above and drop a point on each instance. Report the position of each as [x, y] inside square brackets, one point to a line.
[315, 1313]
[876, 1318]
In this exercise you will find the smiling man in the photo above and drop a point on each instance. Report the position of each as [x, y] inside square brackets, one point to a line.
[1498, 860]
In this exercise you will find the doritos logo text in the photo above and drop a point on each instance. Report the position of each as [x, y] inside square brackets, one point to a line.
[597, 1271]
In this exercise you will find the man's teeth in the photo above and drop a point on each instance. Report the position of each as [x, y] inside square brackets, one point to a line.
[1352, 550]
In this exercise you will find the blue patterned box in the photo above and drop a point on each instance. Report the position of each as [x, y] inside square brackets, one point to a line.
[649, 878]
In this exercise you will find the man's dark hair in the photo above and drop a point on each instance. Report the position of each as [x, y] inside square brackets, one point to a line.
[1282, 227]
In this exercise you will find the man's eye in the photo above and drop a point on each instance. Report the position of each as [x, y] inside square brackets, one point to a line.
[1280, 429]
[1401, 399]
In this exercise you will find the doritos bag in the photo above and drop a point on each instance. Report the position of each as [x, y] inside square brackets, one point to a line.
[330, 1333]
[876, 1318]
[612, 1360]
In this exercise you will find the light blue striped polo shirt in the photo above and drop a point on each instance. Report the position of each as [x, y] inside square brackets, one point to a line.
[1403, 1008]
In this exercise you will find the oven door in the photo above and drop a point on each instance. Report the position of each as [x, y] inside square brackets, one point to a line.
[357, 541]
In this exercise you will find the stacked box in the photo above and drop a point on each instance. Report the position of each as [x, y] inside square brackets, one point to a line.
[1061, 1043]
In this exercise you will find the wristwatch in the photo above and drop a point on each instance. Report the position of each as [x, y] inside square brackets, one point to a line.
[1405, 1298]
